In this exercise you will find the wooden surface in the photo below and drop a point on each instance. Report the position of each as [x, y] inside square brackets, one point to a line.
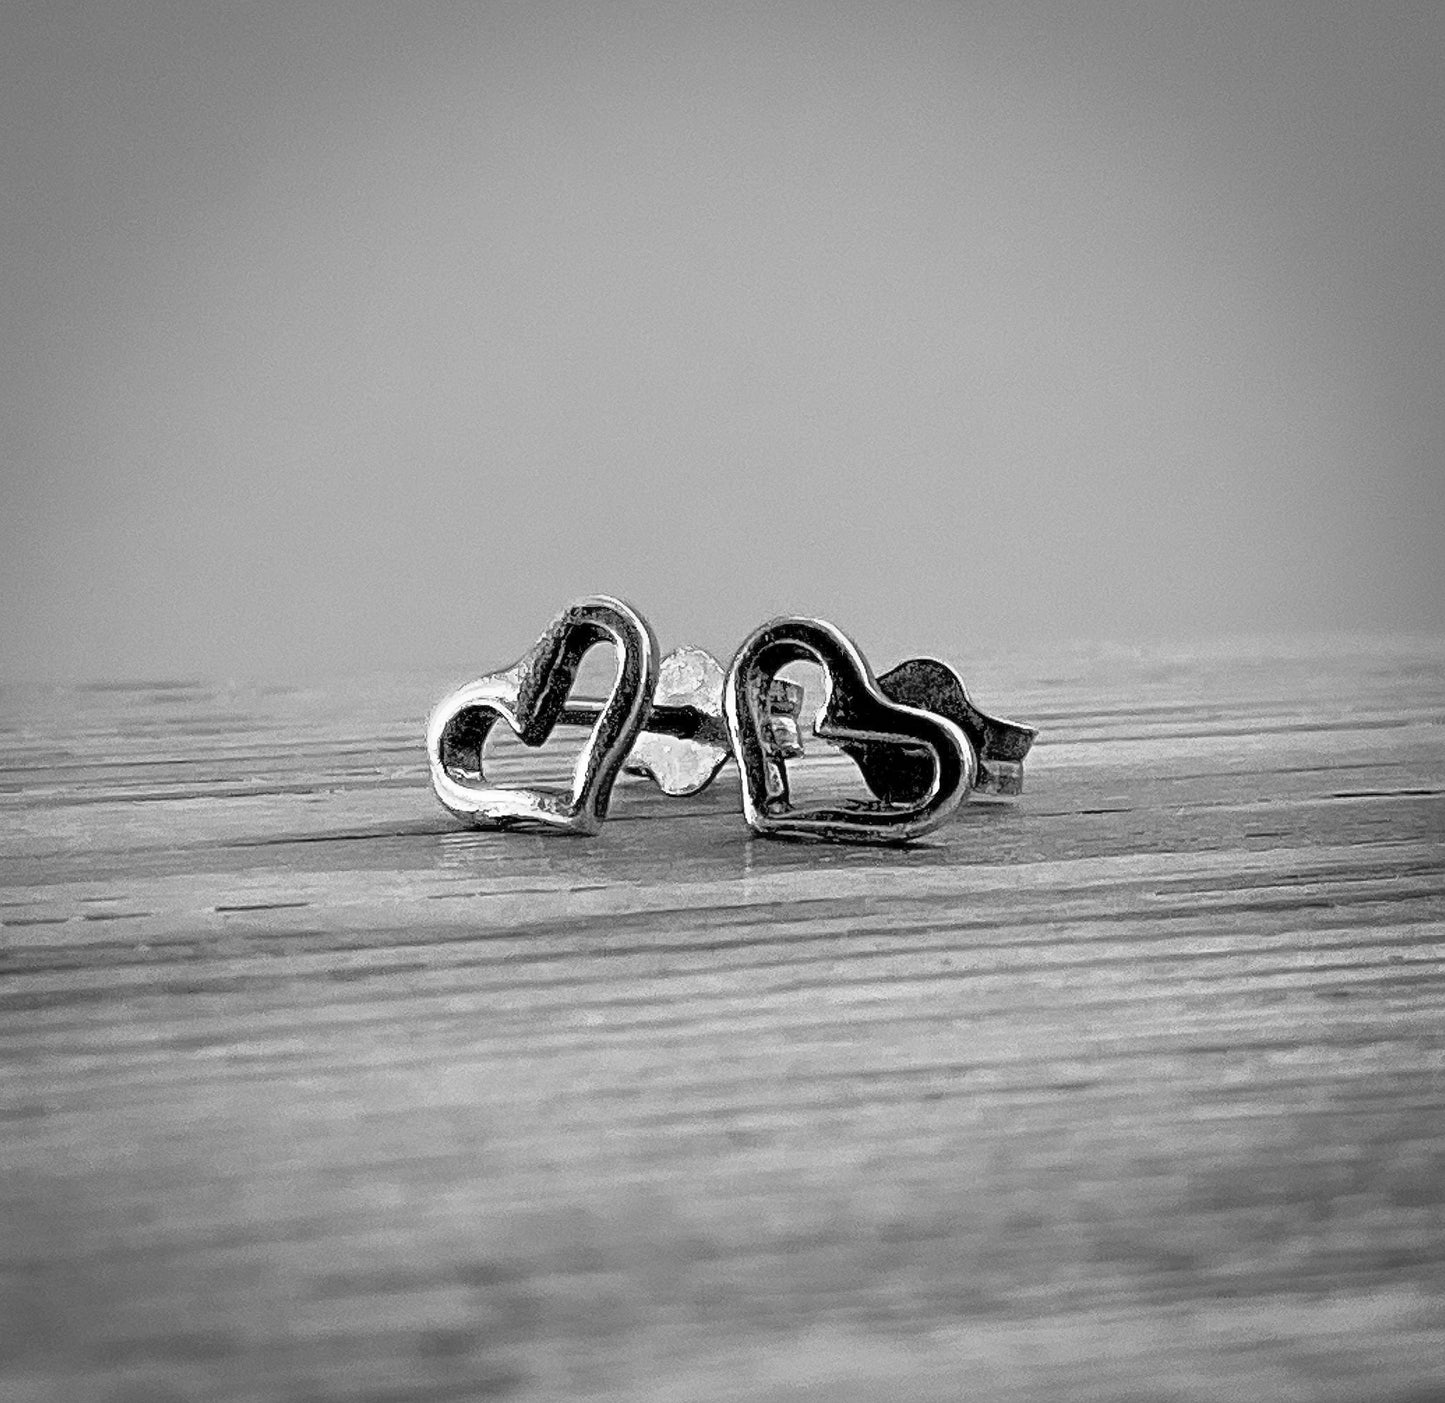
[1130, 1089]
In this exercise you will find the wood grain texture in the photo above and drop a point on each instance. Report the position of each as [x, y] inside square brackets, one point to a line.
[1130, 1089]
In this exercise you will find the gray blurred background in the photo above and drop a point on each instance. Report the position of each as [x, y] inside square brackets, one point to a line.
[349, 337]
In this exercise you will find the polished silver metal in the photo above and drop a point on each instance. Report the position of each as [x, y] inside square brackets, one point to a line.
[856, 712]
[685, 742]
[530, 696]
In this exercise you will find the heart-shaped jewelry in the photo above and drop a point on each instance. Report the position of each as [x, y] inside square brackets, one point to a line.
[530, 697]
[855, 711]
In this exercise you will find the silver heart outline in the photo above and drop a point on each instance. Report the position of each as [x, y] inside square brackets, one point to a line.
[529, 696]
[856, 710]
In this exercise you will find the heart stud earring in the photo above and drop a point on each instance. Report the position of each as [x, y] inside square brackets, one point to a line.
[855, 712]
[530, 696]
[902, 730]
[679, 739]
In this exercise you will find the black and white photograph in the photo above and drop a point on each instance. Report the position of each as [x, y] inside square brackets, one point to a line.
[722, 702]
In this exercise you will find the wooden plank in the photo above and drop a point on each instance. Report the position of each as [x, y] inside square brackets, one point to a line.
[1129, 1089]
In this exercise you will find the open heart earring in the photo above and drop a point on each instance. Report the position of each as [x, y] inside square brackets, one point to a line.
[854, 710]
[530, 696]
[664, 722]
[918, 739]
